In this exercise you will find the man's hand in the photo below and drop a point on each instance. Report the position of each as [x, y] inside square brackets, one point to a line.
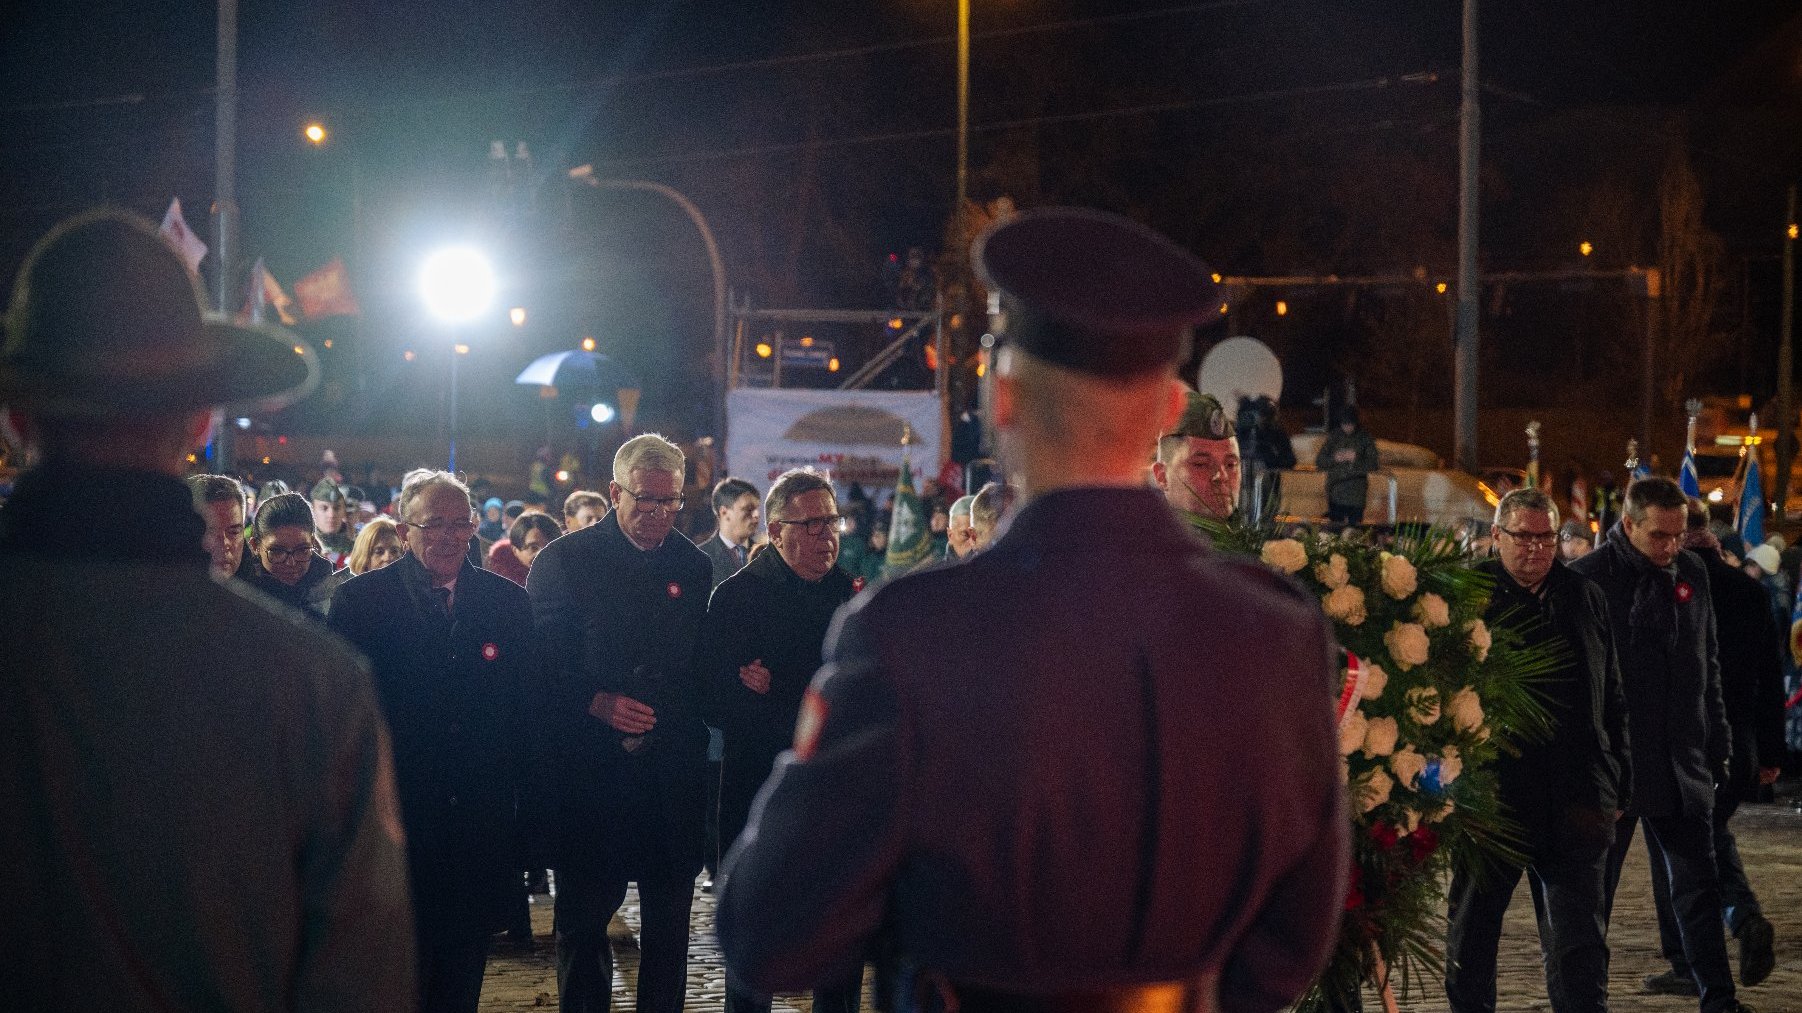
[1768, 775]
[623, 713]
[755, 677]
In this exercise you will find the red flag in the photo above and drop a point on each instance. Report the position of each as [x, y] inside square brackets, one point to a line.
[265, 292]
[175, 230]
[326, 292]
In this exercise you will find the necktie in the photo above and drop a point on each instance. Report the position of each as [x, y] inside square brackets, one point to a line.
[442, 596]
[738, 554]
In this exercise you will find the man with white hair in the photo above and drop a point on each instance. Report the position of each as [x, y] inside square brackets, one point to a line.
[960, 536]
[618, 608]
[453, 648]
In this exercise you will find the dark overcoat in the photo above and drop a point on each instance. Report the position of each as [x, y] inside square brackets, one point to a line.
[1751, 669]
[1664, 629]
[612, 617]
[764, 612]
[1095, 754]
[453, 691]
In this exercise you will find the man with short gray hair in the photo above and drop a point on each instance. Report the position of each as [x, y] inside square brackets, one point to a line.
[960, 537]
[1662, 615]
[1565, 792]
[618, 608]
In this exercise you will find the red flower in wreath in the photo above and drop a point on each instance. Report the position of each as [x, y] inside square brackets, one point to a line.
[1422, 843]
[1384, 835]
[1684, 592]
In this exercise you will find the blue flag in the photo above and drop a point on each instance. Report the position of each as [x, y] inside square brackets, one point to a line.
[1750, 521]
[1687, 477]
[1795, 631]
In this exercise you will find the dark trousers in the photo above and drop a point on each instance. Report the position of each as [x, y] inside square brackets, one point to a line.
[711, 857]
[1738, 902]
[1567, 899]
[586, 901]
[1343, 513]
[450, 973]
[846, 998]
[1684, 845]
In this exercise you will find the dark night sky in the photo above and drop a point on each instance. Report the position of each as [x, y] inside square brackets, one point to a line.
[415, 92]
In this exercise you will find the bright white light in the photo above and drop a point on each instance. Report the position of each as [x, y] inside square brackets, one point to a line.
[602, 413]
[457, 284]
[243, 423]
[1715, 495]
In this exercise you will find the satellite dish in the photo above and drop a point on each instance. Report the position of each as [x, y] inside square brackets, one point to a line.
[1240, 368]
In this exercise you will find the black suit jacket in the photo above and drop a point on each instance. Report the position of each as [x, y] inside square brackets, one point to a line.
[725, 563]
[612, 617]
[1095, 754]
[453, 691]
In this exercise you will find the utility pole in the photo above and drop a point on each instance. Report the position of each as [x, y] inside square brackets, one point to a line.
[1786, 405]
[225, 201]
[1464, 329]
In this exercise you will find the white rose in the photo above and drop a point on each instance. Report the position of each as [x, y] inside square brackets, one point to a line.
[1333, 573]
[1399, 579]
[1444, 810]
[1450, 766]
[1351, 732]
[1285, 554]
[1432, 611]
[1345, 604]
[1466, 710]
[1375, 681]
[1423, 704]
[1374, 791]
[1479, 639]
[1407, 643]
[1407, 765]
[1410, 822]
[1380, 736]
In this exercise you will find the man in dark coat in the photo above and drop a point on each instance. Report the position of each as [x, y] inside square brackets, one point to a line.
[1068, 772]
[760, 647]
[1566, 792]
[735, 510]
[1348, 455]
[452, 647]
[1664, 629]
[618, 608]
[189, 825]
[1752, 693]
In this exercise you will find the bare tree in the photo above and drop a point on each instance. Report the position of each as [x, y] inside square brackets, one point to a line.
[1689, 264]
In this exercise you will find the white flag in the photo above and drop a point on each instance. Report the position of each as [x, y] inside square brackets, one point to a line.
[175, 230]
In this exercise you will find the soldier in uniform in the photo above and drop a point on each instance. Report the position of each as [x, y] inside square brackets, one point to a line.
[1132, 803]
[618, 608]
[1198, 463]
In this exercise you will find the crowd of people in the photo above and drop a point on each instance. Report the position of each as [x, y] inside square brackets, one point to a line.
[239, 788]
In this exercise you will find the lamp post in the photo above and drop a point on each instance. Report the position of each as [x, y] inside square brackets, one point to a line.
[457, 285]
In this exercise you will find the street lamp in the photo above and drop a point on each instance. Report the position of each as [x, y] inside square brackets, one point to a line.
[457, 286]
[315, 133]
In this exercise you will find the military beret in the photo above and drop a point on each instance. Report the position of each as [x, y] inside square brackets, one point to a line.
[1203, 418]
[1093, 291]
[326, 490]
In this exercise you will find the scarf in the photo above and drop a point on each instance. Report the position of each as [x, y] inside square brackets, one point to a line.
[1653, 616]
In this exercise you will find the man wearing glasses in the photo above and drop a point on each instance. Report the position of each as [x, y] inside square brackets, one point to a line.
[618, 608]
[760, 649]
[452, 648]
[1662, 614]
[1566, 792]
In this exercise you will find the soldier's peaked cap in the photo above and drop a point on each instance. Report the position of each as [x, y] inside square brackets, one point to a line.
[1093, 291]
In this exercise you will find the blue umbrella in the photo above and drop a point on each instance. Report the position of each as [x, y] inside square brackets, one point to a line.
[576, 369]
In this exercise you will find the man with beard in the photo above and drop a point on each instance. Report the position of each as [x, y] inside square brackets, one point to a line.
[618, 609]
[1012, 805]
[1565, 792]
[452, 649]
[762, 643]
[1662, 616]
[1197, 463]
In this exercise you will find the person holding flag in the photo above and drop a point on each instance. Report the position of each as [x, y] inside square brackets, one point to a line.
[1749, 518]
[909, 541]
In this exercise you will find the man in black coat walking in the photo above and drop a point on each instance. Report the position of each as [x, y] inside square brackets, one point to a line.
[452, 650]
[760, 648]
[1664, 629]
[618, 608]
[1752, 693]
[1566, 792]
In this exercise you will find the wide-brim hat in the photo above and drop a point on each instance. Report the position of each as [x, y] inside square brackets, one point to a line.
[106, 322]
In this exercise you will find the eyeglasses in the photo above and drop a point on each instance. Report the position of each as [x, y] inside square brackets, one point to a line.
[815, 526]
[460, 528]
[1531, 539]
[650, 504]
[278, 554]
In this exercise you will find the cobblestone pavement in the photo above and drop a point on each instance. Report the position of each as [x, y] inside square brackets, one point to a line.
[1770, 838]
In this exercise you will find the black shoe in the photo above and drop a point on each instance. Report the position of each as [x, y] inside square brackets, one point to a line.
[1756, 956]
[1671, 983]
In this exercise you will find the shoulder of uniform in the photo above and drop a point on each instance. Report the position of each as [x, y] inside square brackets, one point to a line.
[1241, 570]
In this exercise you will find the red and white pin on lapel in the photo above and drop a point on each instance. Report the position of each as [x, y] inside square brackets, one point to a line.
[675, 589]
[856, 584]
[490, 652]
[1684, 592]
